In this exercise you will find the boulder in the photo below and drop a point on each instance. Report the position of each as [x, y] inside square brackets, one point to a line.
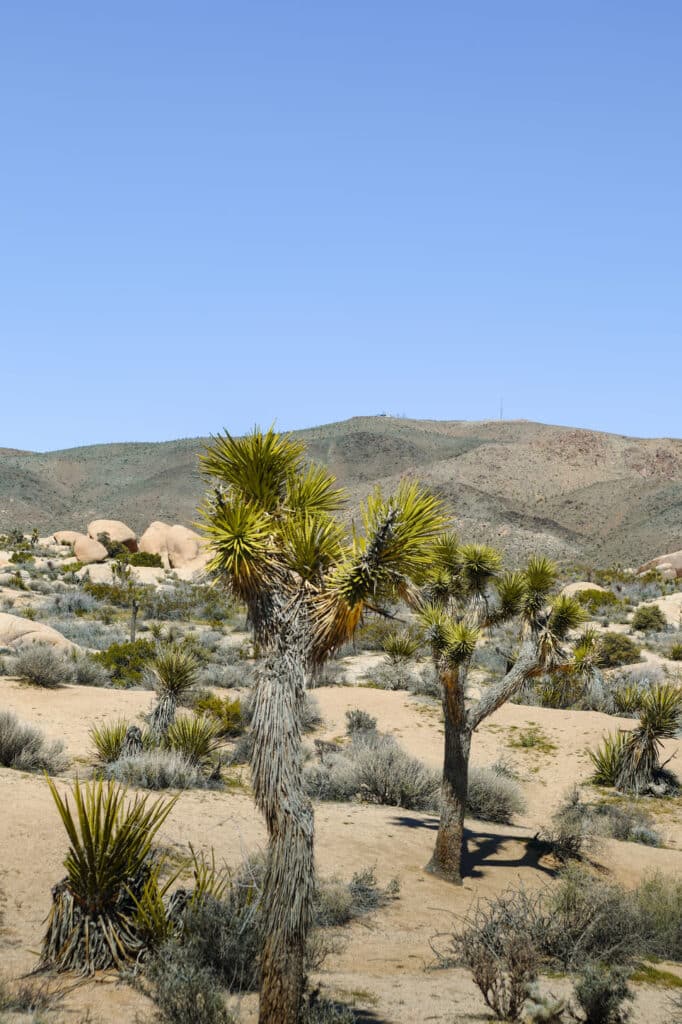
[144, 574]
[575, 588]
[16, 632]
[118, 532]
[67, 537]
[178, 546]
[88, 550]
[669, 565]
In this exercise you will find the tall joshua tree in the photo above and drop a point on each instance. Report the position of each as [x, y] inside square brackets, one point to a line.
[466, 593]
[269, 521]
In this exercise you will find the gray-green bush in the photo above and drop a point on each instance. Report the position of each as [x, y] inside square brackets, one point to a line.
[25, 748]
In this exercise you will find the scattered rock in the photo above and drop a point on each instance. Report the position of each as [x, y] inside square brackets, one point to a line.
[67, 537]
[575, 588]
[88, 550]
[670, 565]
[16, 632]
[178, 546]
[118, 532]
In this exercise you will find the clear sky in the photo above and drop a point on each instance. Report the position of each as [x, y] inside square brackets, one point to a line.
[220, 213]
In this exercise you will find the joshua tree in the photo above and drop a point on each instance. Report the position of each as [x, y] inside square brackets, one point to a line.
[660, 717]
[275, 542]
[174, 672]
[466, 593]
[122, 574]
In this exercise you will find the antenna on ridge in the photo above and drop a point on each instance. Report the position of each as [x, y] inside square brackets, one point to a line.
[501, 408]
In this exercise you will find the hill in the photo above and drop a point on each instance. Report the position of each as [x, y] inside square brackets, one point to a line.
[577, 495]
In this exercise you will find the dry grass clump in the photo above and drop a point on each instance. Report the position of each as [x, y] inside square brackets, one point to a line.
[375, 769]
[41, 665]
[493, 796]
[156, 769]
[25, 748]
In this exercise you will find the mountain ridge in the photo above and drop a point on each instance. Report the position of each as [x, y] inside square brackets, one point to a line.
[576, 494]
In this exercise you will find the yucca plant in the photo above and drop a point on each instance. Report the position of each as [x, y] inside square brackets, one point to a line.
[108, 739]
[628, 699]
[401, 647]
[196, 737]
[607, 759]
[174, 673]
[91, 925]
[659, 718]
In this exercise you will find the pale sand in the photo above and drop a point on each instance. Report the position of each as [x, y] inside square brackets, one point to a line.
[385, 955]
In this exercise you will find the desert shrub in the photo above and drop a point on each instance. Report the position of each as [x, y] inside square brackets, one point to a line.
[627, 699]
[329, 674]
[317, 1010]
[602, 993]
[228, 677]
[184, 990]
[143, 558]
[25, 748]
[42, 665]
[72, 602]
[649, 619]
[127, 661]
[492, 796]
[375, 769]
[675, 653]
[401, 645]
[596, 601]
[311, 717]
[617, 649]
[337, 902]
[372, 633]
[659, 907]
[90, 633]
[85, 671]
[156, 769]
[503, 961]
[395, 675]
[426, 683]
[226, 713]
[358, 720]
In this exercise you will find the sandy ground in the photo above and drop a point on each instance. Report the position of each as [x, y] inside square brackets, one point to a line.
[381, 966]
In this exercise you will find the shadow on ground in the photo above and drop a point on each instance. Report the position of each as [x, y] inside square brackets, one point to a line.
[481, 849]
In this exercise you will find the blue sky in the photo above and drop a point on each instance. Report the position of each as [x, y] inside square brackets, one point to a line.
[216, 213]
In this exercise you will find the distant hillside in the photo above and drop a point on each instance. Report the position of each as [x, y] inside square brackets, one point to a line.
[577, 495]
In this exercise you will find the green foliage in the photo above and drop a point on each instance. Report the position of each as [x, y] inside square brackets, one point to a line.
[649, 619]
[607, 759]
[602, 992]
[175, 670]
[114, 547]
[147, 559]
[107, 740]
[91, 924]
[127, 661]
[401, 646]
[617, 649]
[628, 699]
[675, 652]
[597, 601]
[227, 714]
[196, 738]
[20, 557]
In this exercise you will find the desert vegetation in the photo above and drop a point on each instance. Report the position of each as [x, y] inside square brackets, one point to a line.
[432, 705]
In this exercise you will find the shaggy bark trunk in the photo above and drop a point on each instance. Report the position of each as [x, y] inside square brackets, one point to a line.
[134, 608]
[446, 861]
[277, 769]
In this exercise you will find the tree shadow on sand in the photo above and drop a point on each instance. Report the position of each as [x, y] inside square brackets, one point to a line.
[481, 849]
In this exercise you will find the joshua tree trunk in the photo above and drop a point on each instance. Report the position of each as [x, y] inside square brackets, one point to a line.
[277, 768]
[460, 723]
[446, 861]
[134, 608]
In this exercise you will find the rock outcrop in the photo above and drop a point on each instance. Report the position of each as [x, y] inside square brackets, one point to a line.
[178, 546]
[88, 550]
[669, 565]
[118, 532]
[67, 537]
[16, 632]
